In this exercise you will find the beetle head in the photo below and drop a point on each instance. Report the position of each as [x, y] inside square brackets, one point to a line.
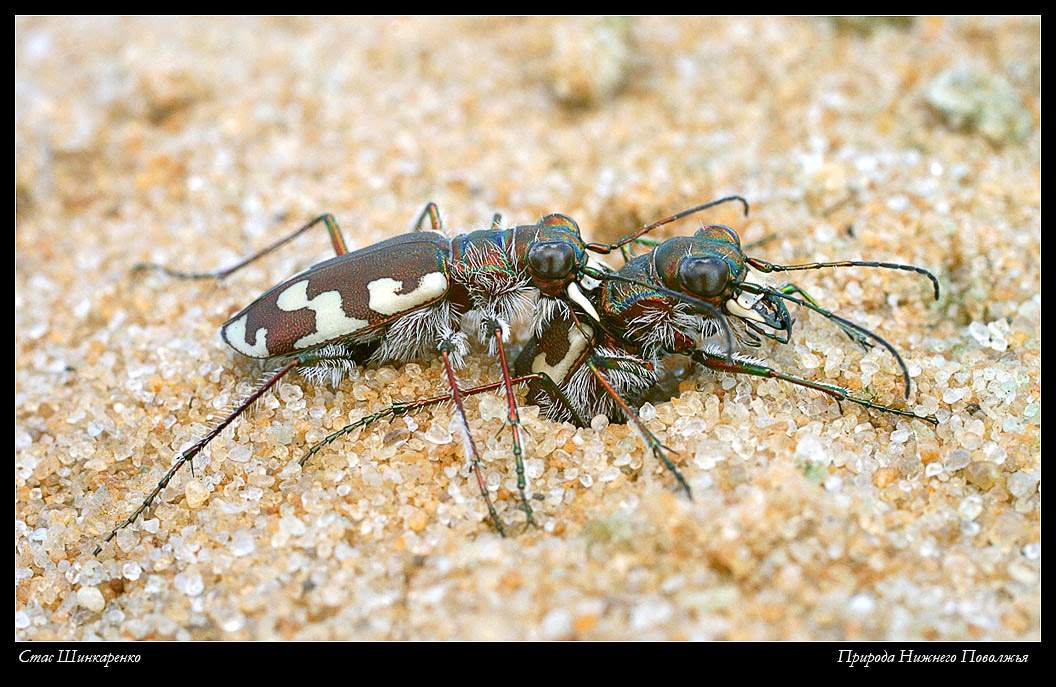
[556, 255]
[711, 266]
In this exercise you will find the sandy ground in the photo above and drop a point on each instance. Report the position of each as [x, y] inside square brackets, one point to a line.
[193, 142]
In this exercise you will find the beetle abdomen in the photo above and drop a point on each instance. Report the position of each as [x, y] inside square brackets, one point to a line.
[352, 295]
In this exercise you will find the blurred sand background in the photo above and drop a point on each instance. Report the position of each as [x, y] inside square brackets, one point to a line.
[193, 142]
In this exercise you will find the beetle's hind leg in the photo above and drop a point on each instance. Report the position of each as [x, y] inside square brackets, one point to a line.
[188, 455]
[336, 239]
[401, 408]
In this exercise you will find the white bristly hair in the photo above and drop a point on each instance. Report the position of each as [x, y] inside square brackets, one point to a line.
[589, 398]
[502, 295]
[656, 328]
[419, 333]
[334, 365]
[714, 349]
[547, 309]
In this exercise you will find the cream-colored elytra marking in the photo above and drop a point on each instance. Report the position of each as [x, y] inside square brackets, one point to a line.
[235, 333]
[577, 342]
[330, 319]
[384, 299]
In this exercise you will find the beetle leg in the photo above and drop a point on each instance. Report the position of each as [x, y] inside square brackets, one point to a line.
[628, 252]
[336, 239]
[433, 212]
[497, 329]
[555, 393]
[597, 362]
[401, 408]
[721, 363]
[188, 455]
[456, 396]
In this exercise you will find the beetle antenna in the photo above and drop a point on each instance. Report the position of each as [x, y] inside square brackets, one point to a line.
[609, 247]
[755, 288]
[764, 266]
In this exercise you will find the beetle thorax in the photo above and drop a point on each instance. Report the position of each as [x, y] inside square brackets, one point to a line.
[484, 264]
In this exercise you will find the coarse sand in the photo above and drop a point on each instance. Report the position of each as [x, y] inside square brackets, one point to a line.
[193, 142]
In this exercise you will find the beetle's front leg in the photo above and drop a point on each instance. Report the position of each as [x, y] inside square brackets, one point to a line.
[857, 337]
[599, 363]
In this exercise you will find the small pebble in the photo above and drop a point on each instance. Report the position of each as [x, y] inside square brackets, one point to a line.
[982, 474]
[195, 493]
[91, 598]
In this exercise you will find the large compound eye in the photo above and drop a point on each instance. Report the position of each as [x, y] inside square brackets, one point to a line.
[705, 277]
[552, 259]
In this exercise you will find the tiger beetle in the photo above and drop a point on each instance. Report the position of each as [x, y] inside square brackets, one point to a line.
[402, 299]
[650, 308]
[606, 366]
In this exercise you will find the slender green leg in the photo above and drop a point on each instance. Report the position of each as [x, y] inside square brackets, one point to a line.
[723, 364]
[857, 337]
[514, 418]
[336, 239]
[402, 408]
[596, 363]
[628, 253]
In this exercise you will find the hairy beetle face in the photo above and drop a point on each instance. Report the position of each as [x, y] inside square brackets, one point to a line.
[705, 277]
[552, 259]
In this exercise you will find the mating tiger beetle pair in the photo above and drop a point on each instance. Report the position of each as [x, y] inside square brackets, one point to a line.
[599, 339]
